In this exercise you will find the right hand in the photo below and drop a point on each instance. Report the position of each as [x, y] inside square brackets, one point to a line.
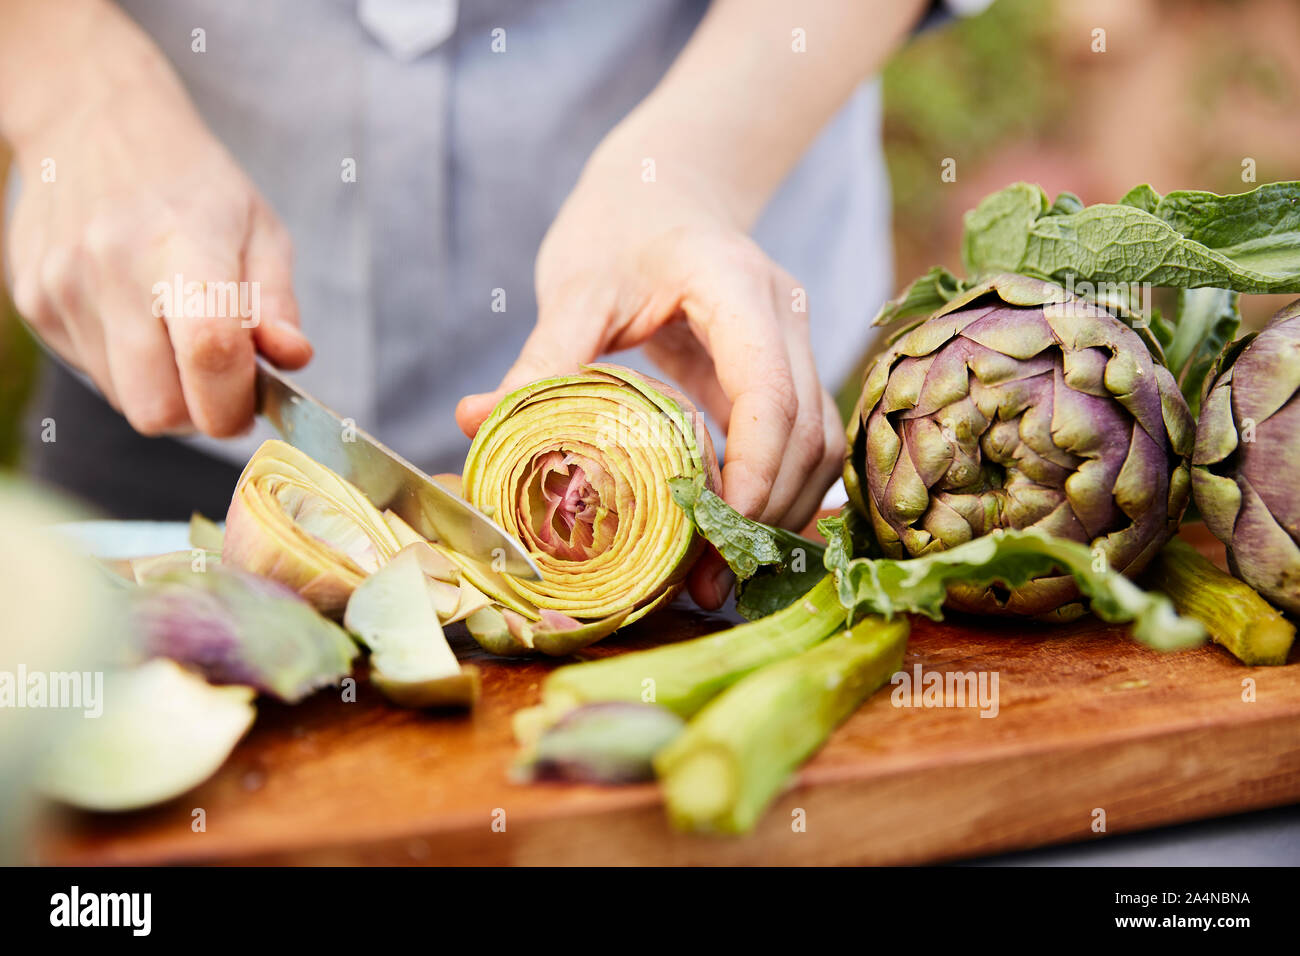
[141, 193]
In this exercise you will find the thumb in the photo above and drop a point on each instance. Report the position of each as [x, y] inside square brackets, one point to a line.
[555, 347]
[268, 262]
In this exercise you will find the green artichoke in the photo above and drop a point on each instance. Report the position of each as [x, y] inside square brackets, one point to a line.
[1017, 405]
[1247, 456]
[578, 467]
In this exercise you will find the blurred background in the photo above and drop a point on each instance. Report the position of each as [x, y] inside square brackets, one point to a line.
[1185, 91]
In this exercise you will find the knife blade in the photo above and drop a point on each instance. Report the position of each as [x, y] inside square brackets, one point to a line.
[383, 476]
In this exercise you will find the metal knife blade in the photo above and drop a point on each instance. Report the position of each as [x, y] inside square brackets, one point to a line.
[387, 479]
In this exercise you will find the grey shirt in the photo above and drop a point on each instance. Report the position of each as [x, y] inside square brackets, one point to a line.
[467, 123]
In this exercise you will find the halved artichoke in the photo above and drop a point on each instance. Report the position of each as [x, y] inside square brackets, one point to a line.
[577, 468]
[295, 521]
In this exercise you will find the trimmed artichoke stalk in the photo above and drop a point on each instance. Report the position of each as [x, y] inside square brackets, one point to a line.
[1018, 406]
[683, 677]
[293, 520]
[577, 468]
[1235, 615]
[737, 753]
[237, 628]
[612, 742]
[1247, 458]
[394, 613]
[163, 731]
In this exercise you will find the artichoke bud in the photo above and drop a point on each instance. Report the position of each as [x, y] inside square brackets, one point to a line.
[1044, 412]
[1248, 454]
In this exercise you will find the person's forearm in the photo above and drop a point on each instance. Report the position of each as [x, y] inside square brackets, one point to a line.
[58, 58]
[748, 95]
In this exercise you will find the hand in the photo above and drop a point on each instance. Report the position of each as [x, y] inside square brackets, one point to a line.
[142, 193]
[663, 264]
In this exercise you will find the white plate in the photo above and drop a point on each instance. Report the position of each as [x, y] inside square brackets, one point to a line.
[127, 539]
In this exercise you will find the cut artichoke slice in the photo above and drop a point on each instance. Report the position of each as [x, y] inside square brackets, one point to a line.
[163, 731]
[394, 613]
[295, 521]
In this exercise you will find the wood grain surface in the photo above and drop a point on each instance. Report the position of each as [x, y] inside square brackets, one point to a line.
[1087, 721]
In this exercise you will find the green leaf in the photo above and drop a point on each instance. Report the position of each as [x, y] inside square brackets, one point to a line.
[1142, 197]
[997, 230]
[1206, 321]
[1258, 230]
[930, 292]
[1010, 558]
[773, 566]
[1188, 239]
[771, 588]
[1121, 244]
[1065, 204]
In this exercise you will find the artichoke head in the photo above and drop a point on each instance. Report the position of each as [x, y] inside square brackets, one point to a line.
[1019, 406]
[1247, 456]
[577, 467]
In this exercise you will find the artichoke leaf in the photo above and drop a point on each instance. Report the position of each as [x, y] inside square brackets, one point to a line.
[773, 566]
[494, 634]
[1248, 242]
[163, 731]
[1010, 559]
[392, 612]
[205, 533]
[237, 628]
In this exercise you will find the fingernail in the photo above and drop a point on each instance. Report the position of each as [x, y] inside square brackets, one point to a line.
[288, 329]
[722, 582]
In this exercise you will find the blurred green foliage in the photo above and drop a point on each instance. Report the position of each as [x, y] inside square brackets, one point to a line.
[18, 362]
[961, 91]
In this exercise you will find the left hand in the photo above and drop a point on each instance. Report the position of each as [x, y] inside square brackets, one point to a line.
[664, 265]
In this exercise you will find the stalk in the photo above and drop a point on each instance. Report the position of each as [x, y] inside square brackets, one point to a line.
[738, 752]
[1235, 616]
[684, 677]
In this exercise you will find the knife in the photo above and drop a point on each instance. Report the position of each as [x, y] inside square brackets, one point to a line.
[383, 476]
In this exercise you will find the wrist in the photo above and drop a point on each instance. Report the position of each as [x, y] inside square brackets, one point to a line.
[671, 148]
[69, 60]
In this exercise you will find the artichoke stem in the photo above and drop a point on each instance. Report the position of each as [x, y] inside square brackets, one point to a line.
[738, 752]
[1238, 618]
[683, 677]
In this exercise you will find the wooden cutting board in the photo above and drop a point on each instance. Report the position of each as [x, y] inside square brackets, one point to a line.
[1087, 722]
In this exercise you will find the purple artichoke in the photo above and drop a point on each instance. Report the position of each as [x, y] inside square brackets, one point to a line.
[1019, 406]
[237, 628]
[1247, 457]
